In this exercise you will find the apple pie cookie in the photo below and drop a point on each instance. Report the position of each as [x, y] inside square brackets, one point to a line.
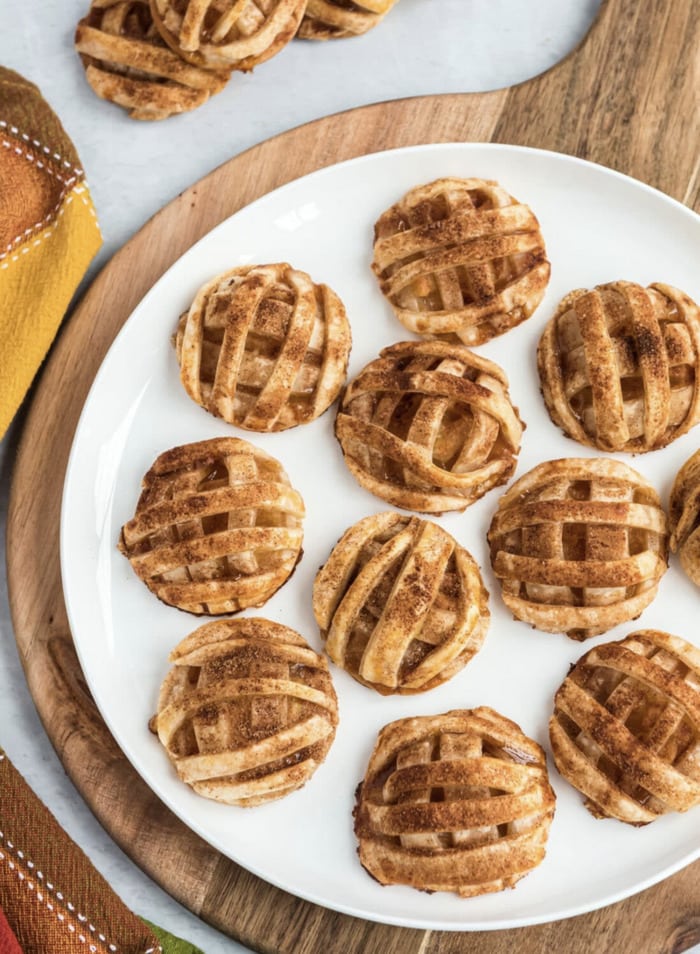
[579, 545]
[264, 347]
[337, 19]
[684, 517]
[458, 802]
[127, 62]
[401, 606]
[429, 426]
[461, 260]
[218, 527]
[619, 366]
[227, 34]
[248, 712]
[626, 727]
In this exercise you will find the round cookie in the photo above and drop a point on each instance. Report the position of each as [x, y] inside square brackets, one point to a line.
[217, 528]
[458, 802]
[579, 545]
[429, 426]
[248, 712]
[400, 604]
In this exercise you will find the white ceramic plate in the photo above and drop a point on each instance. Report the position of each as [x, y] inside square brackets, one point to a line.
[598, 226]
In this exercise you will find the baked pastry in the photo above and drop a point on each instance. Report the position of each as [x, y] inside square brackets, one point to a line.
[336, 19]
[217, 527]
[248, 712]
[619, 366]
[127, 63]
[264, 347]
[457, 802]
[626, 727]
[684, 517]
[429, 426]
[461, 260]
[400, 604]
[227, 34]
[579, 545]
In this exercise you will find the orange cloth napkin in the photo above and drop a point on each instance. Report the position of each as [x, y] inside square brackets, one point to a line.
[48, 234]
[52, 899]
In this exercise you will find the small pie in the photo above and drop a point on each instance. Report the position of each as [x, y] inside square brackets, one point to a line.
[337, 19]
[127, 63]
[579, 545]
[619, 366]
[401, 606]
[218, 527]
[264, 347]
[429, 426]
[227, 34]
[626, 727]
[684, 517]
[461, 260]
[458, 802]
[248, 712]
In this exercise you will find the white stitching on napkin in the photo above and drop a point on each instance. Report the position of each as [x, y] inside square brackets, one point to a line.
[40, 897]
[39, 164]
[45, 149]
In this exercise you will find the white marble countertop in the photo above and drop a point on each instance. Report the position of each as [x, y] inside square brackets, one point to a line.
[423, 46]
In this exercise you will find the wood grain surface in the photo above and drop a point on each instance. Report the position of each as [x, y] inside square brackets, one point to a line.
[626, 98]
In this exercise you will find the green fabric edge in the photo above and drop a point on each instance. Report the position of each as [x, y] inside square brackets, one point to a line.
[170, 943]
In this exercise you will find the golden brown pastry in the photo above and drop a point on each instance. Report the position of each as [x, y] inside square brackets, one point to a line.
[401, 606]
[227, 34]
[248, 712]
[619, 366]
[457, 802]
[429, 426]
[684, 517]
[461, 260]
[626, 727]
[127, 63]
[337, 19]
[218, 527]
[264, 347]
[579, 545]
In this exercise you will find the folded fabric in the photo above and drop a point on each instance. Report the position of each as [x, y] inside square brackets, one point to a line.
[52, 897]
[48, 234]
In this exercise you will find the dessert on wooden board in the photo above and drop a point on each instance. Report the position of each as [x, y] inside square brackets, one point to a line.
[400, 604]
[626, 727]
[217, 528]
[684, 517]
[264, 347]
[579, 545]
[619, 366]
[429, 426]
[457, 802]
[460, 260]
[248, 711]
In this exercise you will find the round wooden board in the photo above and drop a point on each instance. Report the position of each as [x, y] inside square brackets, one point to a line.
[625, 98]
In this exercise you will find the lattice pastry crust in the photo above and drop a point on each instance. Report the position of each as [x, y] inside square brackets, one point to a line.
[127, 63]
[684, 517]
[460, 259]
[401, 606]
[620, 366]
[626, 727]
[264, 347]
[227, 34]
[218, 527]
[337, 19]
[457, 802]
[579, 545]
[248, 712]
[429, 426]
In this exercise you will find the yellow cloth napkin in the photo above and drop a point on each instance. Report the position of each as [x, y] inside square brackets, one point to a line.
[48, 234]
